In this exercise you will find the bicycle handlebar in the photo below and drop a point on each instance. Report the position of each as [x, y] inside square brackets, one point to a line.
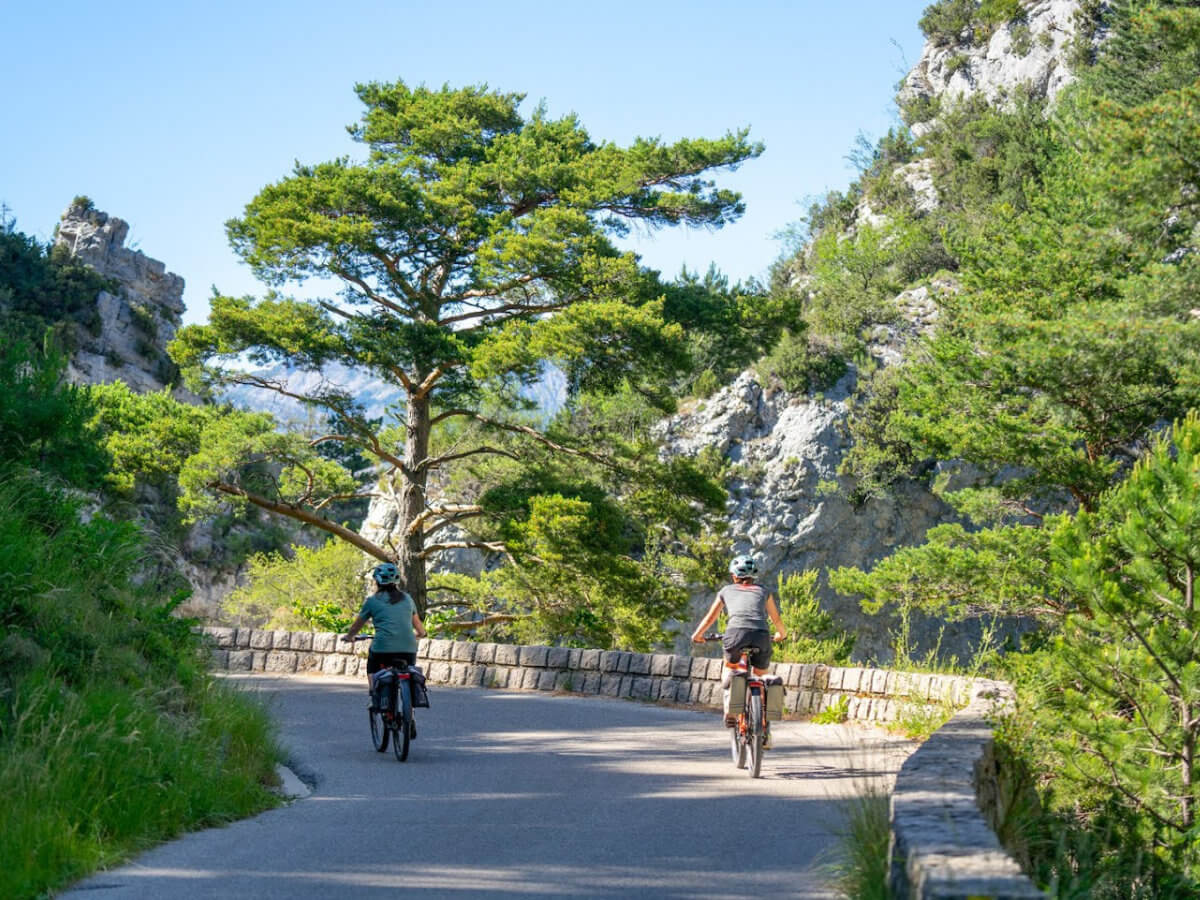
[713, 636]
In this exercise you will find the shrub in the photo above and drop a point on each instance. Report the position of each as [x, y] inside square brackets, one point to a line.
[946, 21]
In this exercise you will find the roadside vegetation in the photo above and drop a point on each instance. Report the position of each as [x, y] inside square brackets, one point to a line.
[112, 734]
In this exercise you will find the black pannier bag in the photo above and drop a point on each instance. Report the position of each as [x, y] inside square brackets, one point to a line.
[416, 683]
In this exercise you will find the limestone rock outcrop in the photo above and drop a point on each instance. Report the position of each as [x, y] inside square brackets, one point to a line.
[784, 504]
[138, 319]
[1030, 53]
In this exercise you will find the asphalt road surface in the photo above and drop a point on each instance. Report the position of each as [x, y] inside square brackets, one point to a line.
[523, 794]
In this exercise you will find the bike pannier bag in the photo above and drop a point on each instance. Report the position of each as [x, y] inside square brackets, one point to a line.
[774, 697]
[416, 684]
[382, 687]
[735, 692]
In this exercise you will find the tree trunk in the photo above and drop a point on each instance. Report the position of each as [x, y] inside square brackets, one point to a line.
[412, 500]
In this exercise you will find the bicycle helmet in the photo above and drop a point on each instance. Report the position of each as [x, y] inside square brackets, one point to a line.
[385, 573]
[743, 566]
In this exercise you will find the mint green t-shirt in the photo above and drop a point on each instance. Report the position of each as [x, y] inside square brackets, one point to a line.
[393, 623]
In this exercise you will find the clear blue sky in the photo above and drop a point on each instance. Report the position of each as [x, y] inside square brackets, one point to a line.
[172, 115]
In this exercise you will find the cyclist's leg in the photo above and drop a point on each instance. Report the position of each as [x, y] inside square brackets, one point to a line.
[374, 664]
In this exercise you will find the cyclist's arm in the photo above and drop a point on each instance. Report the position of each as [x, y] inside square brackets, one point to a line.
[776, 618]
[354, 629]
[418, 626]
[709, 618]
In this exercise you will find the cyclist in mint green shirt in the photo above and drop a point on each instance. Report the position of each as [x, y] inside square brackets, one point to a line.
[397, 625]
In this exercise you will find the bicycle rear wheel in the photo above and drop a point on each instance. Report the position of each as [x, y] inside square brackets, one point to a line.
[379, 729]
[402, 731]
[754, 732]
[737, 744]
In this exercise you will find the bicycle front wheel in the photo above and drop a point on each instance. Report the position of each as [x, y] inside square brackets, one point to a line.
[402, 731]
[754, 733]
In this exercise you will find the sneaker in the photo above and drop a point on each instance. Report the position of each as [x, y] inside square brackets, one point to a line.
[767, 739]
[412, 729]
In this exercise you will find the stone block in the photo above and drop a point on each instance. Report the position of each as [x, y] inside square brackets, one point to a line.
[355, 666]
[495, 677]
[325, 642]
[667, 689]
[507, 655]
[485, 654]
[334, 664]
[639, 688]
[661, 664]
[589, 659]
[302, 640]
[558, 658]
[837, 678]
[681, 666]
[610, 661]
[281, 640]
[547, 679]
[879, 682]
[529, 678]
[222, 637]
[439, 649]
[458, 674]
[573, 659]
[462, 651]
[240, 661]
[280, 661]
[242, 638]
[307, 661]
[476, 675]
[565, 681]
[438, 672]
[639, 664]
[423, 647]
[218, 659]
[260, 660]
[699, 667]
[820, 680]
[534, 656]
[589, 682]
[856, 709]
[261, 640]
[610, 685]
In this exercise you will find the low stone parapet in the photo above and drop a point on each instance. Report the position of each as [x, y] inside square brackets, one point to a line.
[873, 695]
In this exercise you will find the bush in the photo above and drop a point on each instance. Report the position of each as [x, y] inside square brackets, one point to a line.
[945, 22]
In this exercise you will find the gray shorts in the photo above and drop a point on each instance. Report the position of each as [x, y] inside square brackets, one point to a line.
[758, 638]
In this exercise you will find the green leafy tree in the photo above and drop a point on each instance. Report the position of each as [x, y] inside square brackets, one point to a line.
[472, 246]
[813, 636]
[1131, 678]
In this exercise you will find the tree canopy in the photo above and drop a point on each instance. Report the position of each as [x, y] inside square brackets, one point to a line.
[471, 247]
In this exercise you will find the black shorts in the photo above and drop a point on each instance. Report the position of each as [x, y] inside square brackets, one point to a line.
[758, 638]
[376, 661]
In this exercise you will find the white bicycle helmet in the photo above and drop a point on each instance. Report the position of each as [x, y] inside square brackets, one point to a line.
[743, 566]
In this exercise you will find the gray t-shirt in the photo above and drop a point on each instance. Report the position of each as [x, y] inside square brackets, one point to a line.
[746, 606]
[393, 623]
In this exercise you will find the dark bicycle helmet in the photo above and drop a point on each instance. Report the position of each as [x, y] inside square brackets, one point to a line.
[743, 566]
[385, 573]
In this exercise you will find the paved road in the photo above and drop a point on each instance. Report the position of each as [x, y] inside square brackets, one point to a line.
[513, 794]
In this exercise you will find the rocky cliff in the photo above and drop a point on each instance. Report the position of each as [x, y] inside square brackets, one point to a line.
[138, 319]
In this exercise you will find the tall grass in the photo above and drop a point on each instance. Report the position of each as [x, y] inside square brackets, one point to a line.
[860, 871]
[112, 735]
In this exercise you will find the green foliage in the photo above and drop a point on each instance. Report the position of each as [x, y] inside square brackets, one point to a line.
[813, 636]
[42, 288]
[945, 21]
[111, 734]
[318, 589]
[918, 721]
[1132, 653]
[836, 713]
[800, 364]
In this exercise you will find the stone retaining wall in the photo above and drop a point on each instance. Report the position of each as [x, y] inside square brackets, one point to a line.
[942, 847]
[877, 695]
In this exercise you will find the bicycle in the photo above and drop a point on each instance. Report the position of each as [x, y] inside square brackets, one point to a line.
[748, 735]
[391, 709]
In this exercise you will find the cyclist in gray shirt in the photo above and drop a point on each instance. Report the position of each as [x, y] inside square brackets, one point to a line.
[749, 607]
